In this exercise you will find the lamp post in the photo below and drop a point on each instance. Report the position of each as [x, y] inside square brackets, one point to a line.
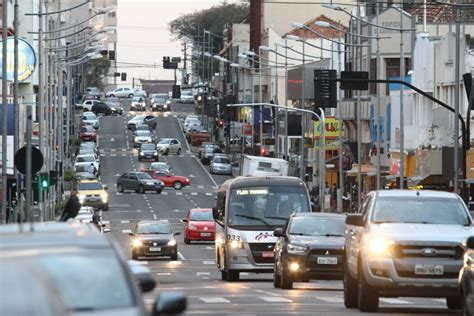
[4, 109]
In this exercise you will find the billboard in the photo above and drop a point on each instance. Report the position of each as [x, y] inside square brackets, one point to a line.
[26, 59]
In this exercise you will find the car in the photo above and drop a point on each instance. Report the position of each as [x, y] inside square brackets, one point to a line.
[81, 270]
[160, 102]
[88, 151]
[310, 246]
[193, 125]
[87, 104]
[207, 155]
[168, 146]
[101, 108]
[89, 118]
[141, 127]
[139, 182]
[85, 214]
[90, 145]
[139, 93]
[115, 108]
[148, 152]
[89, 96]
[142, 137]
[88, 133]
[87, 160]
[466, 279]
[405, 243]
[149, 120]
[160, 166]
[121, 93]
[169, 179]
[154, 238]
[186, 97]
[93, 91]
[93, 193]
[220, 164]
[190, 120]
[198, 225]
[192, 129]
[138, 104]
[82, 173]
[202, 148]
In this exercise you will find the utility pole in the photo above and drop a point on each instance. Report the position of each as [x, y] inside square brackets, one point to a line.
[456, 103]
[4, 109]
[16, 114]
[40, 90]
[402, 121]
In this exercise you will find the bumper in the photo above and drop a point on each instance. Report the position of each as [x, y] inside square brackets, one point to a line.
[196, 235]
[310, 268]
[152, 187]
[96, 204]
[148, 157]
[243, 261]
[381, 273]
[222, 171]
[144, 251]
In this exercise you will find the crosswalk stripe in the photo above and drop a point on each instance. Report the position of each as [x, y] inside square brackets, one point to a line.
[164, 193]
[202, 273]
[213, 300]
[113, 155]
[208, 262]
[394, 301]
[275, 299]
[126, 231]
[163, 273]
[330, 299]
[179, 193]
[208, 194]
[125, 222]
[194, 193]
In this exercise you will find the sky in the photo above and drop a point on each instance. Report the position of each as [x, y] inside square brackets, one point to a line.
[143, 36]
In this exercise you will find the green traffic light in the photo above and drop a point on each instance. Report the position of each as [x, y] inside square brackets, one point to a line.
[44, 183]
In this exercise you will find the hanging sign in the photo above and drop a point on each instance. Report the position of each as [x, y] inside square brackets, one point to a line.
[26, 59]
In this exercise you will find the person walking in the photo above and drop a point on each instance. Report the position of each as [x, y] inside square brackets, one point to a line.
[334, 198]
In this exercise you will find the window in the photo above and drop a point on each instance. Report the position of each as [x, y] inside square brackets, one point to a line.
[220, 205]
[161, 174]
[86, 186]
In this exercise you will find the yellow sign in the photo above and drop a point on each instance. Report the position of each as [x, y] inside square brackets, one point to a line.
[331, 128]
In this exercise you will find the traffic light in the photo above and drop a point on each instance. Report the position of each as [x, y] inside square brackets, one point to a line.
[220, 123]
[44, 180]
[262, 151]
[166, 62]
[124, 76]
[176, 91]
[53, 177]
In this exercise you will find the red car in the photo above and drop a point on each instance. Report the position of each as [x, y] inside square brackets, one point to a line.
[87, 133]
[169, 179]
[198, 225]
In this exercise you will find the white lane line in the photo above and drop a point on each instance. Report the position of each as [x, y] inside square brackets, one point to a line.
[112, 150]
[179, 193]
[207, 172]
[113, 155]
[395, 301]
[163, 273]
[331, 299]
[194, 193]
[267, 293]
[125, 222]
[102, 155]
[200, 186]
[273, 299]
[192, 176]
[128, 145]
[208, 248]
[126, 231]
[208, 194]
[154, 216]
[202, 273]
[123, 155]
[180, 256]
[208, 262]
[164, 193]
[184, 136]
[139, 211]
[176, 211]
[214, 300]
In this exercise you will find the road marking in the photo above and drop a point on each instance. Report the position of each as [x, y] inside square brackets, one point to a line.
[126, 231]
[331, 299]
[176, 211]
[112, 150]
[164, 193]
[154, 216]
[118, 174]
[192, 176]
[214, 300]
[202, 273]
[163, 273]
[208, 194]
[207, 172]
[208, 248]
[113, 155]
[208, 262]
[125, 222]
[267, 293]
[394, 301]
[179, 193]
[273, 299]
[194, 193]
[119, 205]
[123, 155]
[102, 155]
[139, 211]
[180, 256]
[200, 186]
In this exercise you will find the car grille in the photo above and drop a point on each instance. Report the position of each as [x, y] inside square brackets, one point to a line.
[159, 243]
[428, 250]
[411, 274]
[258, 248]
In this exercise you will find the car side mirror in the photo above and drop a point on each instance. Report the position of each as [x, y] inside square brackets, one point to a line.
[278, 232]
[355, 220]
[131, 234]
[142, 275]
[106, 187]
[184, 220]
[215, 213]
[168, 303]
[470, 242]
[177, 234]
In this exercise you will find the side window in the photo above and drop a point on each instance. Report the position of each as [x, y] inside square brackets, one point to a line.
[132, 177]
[364, 210]
[174, 142]
[220, 205]
[161, 174]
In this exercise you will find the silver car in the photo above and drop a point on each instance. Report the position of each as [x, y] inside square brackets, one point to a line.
[169, 146]
[186, 97]
[163, 166]
[221, 164]
[142, 137]
[138, 104]
[121, 93]
[89, 118]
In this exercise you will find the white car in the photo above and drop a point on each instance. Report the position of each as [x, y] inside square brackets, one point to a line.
[121, 93]
[186, 97]
[138, 104]
[169, 145]
[142, 137]
[85, 214]
[89, 118]
[87, 105]
[87, 160]
[191, 121]
[160, 166]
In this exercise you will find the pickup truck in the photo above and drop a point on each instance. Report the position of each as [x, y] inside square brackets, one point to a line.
[405, 243]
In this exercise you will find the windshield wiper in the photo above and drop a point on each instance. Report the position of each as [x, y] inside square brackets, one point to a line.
[83, 309]
[333, 235]
[256, 218]
[277, 217]
[300, 234]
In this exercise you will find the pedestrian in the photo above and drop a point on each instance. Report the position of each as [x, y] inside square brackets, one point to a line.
[334, 197]
[93, 169]
[327, 188]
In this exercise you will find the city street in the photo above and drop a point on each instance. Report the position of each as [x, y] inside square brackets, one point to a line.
[195, 273]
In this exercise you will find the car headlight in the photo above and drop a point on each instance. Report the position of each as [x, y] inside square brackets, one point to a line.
[104, 197]
[236, 244]
[150, 183]
[192, 227]
[172, 242]
[142, 154]
[137, 243]
[380, 246]
[295, 249]
[81, 198]
[469, 259]
[294, 266]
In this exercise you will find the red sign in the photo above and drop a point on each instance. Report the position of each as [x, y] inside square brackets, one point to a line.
[247, 129]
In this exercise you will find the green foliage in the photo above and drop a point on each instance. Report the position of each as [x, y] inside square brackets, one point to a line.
[77, 142]
[68, 175]
[97, 69]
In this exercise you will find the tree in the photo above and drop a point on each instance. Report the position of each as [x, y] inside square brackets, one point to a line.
[97, 69]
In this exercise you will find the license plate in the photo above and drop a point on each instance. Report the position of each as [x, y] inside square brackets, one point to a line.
[205, 234]
[268, 254]
[327, 260]
[429, 269]
[155, 248]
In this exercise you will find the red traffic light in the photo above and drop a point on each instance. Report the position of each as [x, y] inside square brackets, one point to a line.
[262, 151]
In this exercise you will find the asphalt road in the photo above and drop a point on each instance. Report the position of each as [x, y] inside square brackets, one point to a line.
[195, 272]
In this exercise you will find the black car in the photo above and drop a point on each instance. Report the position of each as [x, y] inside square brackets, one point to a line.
[101, 108]
[154, 238]
[311, 246]
[148, 152]
[115, 108]
[140, 182]
[208, 154]
[466, 279]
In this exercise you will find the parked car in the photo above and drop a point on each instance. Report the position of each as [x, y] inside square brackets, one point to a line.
[101, 108]
[149, 120]
[310, 246]
[207, 156]
[466, 279]
[93, 90]
[160, 166]
[82, 172]
[220, 164]
[148, 152]
[139, 182]
[85, 214]
[116, 108]
[154, 238]
[138, 104]
[169, 179]
[186, 97]
[87, 160]
[160, 102]
[198, 225]
[87, 105]
[93, 193]
[88, 133]
[140, 93]
[142, 137]
[91, 145]
[202, 148]
[88, 96]
[405, 243]
[168, 146]
[89, 118]
[121, 93]
[190, 121]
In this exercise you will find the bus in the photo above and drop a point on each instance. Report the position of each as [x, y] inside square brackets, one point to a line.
[247, 211]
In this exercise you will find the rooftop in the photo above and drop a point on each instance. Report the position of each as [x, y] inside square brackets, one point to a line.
[326, 32]
[441, 14]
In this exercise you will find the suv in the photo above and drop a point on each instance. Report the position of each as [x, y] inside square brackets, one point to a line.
[93, 193]
[405, 243]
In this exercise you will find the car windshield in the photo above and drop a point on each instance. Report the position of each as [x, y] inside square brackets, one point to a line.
[420, 210]
[201, 216]
[159, 166]
[192, 121]
[138, 118]
[223, 160]
[164, 141]
[79, 276]
[317, 226]
[160, 99]
[143, 133]
[89, 117]
[143, 175]
[89, 186]
[265, 206]
[186, 93]
[137, 99]
[154, 228]
[148, 147]
[85, 159]
[87, 129]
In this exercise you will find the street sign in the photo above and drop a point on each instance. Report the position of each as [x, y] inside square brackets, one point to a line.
[325, 91]
[269, 141]
[175, 59]
[355, 85]
[36, 160]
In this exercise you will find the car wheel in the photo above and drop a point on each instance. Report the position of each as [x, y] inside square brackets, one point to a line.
[177, 185]
[134, 255]
[368, 298]
[186, 241]
[158, 191]
[286, 282]
[167, 151]
[233, 275]
[112, 96]
[351, 290]
[178, 152]
[130, 95]
[276, 278]
[224, 275]
[453, 302]
[119, 188]
[139, 159]
[141, 189]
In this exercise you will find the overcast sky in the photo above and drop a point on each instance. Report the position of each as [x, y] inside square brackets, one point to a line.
[143, 35]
